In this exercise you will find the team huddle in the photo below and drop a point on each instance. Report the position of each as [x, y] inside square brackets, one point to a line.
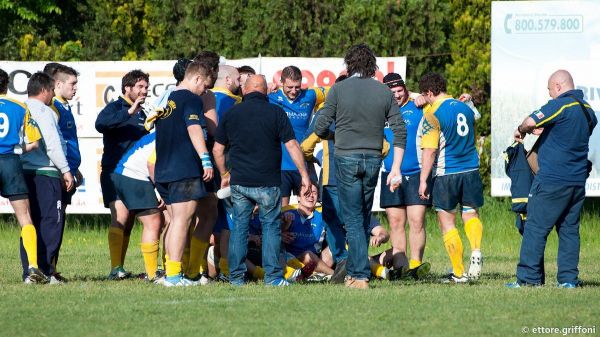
[210, 167]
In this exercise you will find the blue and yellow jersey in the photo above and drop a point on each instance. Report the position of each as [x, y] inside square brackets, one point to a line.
[309, 232]
[225, 99]
[299, 112]
[134, 163]
[16, 126]
[412, 116]
[68, 128]
[448, 126]
[564, 144]
[326, 161]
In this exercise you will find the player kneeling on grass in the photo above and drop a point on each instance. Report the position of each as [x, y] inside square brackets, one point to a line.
[133, 181]
[304, 231]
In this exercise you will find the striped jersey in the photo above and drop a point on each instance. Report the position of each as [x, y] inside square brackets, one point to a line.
[134, 163]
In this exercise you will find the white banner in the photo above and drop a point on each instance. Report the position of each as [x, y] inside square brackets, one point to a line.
[100, 83]
[531, 40]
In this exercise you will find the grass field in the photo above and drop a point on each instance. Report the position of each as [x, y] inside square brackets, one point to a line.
[91, 306]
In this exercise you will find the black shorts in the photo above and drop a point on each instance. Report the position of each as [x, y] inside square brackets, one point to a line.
[12, 181]
[109, 193]
[290, 182]
[182, 190]
[137, 195]
[451, 190]
[405, 195]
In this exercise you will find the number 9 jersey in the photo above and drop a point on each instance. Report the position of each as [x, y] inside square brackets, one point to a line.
[449, 126]
[16, 126]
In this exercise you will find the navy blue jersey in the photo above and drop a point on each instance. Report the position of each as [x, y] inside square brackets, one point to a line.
[176, 158]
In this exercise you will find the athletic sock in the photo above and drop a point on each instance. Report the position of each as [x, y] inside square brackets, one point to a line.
[197, 260]
[474, 231]
[295, 263]
[115, 245]
[124, 248]
[377, 270]
[288, 272]
[173, 268]
[150, 254]
[224, 266]
[412, 264]
[185, 259]
[258, 273]
[29, 237]
[454, 247]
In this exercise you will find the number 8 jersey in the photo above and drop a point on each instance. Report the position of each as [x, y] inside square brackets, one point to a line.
[16, 126]
[449, 126]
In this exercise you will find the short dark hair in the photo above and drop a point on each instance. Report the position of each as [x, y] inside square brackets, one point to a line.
[434, 82]
[179, 68]
[38, 82]
[4, 79]
[209, 57]
[63, 69]
[246, 70]
[132, 77]
[291, 72]
[198, 67]
[50, 68]
[361, 60]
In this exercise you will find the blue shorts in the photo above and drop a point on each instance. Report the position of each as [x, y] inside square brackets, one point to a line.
[406, 195]
[12, 181]
[137, 195]
[109, 193]
[182, 190]
[290, 182]
[451, 190]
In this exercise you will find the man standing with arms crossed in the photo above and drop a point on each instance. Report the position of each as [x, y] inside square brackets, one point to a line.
[558, 191]
[360, 107]
[254, 131]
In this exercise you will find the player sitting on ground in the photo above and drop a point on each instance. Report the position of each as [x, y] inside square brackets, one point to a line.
[304, 231]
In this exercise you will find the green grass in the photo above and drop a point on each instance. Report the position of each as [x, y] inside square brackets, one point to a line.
[91, 306]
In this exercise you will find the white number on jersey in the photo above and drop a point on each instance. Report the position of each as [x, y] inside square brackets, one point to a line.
[462, 128]
[4, 124]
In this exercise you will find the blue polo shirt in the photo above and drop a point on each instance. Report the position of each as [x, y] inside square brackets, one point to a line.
[564, 144]
[176, 158]
[308, 233]
[299, 112]
[412, 116]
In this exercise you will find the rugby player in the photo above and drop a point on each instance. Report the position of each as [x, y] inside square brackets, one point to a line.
[46, 173]
[404, 203]
[65, 87]
[448, 146]
[18, 134]
[133, 180]
[182, 162]
[121, 124]
[299, 105]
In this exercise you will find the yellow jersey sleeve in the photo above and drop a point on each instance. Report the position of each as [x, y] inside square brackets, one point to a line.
[31, 131]
[431, 129]
[320, 94]
[308, 146]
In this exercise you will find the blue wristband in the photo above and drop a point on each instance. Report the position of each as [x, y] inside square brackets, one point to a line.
[205, 158]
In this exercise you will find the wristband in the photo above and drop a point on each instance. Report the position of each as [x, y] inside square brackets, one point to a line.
[225, 174]
[205, 158]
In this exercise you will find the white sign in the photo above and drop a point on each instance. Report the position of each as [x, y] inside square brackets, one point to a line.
[100, 83]
[531, 40]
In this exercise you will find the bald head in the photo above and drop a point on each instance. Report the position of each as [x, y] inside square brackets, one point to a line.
[560, 82]
[228, 77]
[255, 83]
